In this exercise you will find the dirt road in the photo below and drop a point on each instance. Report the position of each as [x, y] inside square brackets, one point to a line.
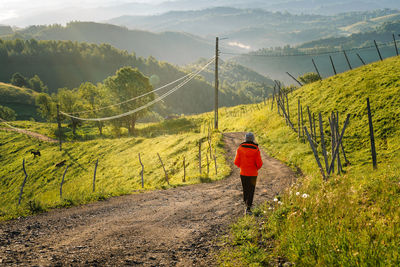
[175, 227]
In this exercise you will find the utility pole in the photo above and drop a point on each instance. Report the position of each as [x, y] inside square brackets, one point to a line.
[216, 86]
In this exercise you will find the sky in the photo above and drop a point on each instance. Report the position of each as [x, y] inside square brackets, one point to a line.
[14, 9]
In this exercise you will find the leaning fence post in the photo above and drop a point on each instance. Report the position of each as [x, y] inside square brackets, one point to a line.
[315, 153]
[162, 164]
[333, 65]
[94, 175]
[377, 49]
[331, 167]
[142, 171]
[23, 183]
[362, 61]
[315, 66]
[62, 181]
[347, 59]
[395, 45]
[294, 78]
[371, 135]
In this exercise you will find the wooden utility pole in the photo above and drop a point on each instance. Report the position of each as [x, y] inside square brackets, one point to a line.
[216, 86]
[59, 125]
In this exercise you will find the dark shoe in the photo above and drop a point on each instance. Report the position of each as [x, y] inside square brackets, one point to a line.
[248, 211]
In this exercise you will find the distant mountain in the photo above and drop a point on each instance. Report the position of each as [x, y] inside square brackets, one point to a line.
[298, 60]
[65, 12]
[252, 29]
[174, 47]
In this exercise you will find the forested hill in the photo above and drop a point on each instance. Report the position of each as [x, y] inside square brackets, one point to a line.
[382, 33]
[174, 47]
[68, 64]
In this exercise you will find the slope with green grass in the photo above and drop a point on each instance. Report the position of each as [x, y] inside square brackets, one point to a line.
[21, 100]
[118, 170]
[352, 219]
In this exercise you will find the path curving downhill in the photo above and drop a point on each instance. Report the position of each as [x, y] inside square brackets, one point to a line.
[174, 227]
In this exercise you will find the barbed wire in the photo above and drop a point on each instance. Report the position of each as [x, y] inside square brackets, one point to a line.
[310, 54]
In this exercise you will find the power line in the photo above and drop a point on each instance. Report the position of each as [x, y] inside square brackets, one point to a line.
[134, 98]
[308, 54]
[146, 105]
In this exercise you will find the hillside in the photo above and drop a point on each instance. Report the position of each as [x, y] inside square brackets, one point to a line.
[68, 64]
[256, 28]
[174, 47]
[21, 100]
[352, 218]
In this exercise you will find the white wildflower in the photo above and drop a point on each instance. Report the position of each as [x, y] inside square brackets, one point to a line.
[305, 195]
[275, 199]
[280, 203]
[297, 193]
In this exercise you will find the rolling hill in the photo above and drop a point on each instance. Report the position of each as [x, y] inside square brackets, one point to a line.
[21, 100]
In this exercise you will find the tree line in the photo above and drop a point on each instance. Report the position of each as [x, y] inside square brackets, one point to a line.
[67, 64]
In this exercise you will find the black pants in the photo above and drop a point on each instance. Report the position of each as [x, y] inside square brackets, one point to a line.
[249, 184]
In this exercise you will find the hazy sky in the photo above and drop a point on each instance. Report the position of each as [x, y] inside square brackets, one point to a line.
[10, 9]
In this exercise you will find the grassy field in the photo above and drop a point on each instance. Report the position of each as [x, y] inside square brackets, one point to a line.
[21, 100]
[354, 218]
[118, 169]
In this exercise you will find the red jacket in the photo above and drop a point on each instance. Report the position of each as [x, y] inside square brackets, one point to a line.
[248, 159]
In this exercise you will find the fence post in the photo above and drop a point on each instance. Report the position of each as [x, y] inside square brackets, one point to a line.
[23, 183]
[200, 156]
[162, 164]
[315, 66]
[208, 165]
[321, 130]
[315, 153]
[333, 65]
[215, 161]
[347, 59]
[294, 79]
[371, 135]
[94, 176]
[184, 170]
[302, 123]
[273, 99]
[362, 61]
[395, 45]
[331, 167]
[377, 49]
[62, 181]
[298, 117]
[142, 171]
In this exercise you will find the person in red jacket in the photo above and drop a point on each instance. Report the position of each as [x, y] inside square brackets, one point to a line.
[248, 159]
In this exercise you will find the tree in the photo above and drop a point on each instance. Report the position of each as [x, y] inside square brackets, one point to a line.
[70, 103]
[309, 77]
[46, 106]
[19, 80]
[7, 113]
[126, 84]
[36, 84]
[94, 101]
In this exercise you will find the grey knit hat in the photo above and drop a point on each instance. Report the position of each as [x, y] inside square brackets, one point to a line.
[249, 137]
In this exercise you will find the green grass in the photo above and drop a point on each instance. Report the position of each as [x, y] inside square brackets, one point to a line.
[354, 218]
[118, 170]
[21, 100]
